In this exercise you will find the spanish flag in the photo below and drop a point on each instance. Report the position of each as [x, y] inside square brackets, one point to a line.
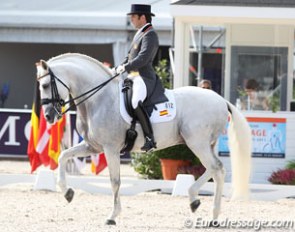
[163, 112]
[45, 139]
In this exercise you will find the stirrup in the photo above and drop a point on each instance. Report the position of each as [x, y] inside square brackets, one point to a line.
[149, 144]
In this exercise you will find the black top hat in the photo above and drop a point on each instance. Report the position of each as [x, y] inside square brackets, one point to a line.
[140, 9]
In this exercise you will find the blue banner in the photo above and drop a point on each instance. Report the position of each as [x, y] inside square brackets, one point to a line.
[268, 138]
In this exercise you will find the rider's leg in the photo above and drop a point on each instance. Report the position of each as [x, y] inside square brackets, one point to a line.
[139, 94]
[139, 91]
[146, 127]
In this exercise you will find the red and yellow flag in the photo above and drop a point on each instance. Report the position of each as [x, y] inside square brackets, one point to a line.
[98, 163]
[163, 112]
[56, 135]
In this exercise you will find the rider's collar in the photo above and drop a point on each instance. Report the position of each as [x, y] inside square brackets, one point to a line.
[144, 27]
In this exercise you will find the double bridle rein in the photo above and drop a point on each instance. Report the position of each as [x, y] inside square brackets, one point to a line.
[58, 103]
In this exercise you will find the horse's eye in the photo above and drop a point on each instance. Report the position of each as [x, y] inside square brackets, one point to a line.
[45, 86]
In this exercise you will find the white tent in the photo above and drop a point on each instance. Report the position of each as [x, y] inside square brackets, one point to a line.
[79, 21]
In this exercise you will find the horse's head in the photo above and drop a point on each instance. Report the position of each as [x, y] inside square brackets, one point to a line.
[53, 92]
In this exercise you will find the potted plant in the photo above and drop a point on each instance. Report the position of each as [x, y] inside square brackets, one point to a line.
[166, 163]
[173, 158]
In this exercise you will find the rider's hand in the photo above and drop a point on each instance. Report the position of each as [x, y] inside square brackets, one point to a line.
[120, 69]
[113, 71]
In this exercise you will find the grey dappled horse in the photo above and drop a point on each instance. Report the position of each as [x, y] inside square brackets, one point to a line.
[201, 117]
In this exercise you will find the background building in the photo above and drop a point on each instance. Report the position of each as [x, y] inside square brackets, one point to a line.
[33, 30]
[256, 68]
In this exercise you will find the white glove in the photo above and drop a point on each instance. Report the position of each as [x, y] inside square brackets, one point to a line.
[113, 71]
[120, 69]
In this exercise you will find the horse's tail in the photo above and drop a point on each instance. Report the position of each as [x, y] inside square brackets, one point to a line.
[240, 144]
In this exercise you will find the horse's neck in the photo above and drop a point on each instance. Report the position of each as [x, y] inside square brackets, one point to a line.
[104, 100]
[82, 80]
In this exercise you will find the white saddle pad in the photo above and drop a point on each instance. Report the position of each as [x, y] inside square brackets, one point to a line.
[165, 111]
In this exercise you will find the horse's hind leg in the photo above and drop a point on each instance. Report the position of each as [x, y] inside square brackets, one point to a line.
[218, 176]
[194, 189]
[80, 150]
[113, 159]
[214, 169]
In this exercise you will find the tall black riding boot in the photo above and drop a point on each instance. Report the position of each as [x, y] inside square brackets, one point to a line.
[144, 120]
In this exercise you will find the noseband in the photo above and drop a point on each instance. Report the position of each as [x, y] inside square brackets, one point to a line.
[58, 103]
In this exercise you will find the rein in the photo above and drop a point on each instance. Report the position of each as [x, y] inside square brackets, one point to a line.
[58, 103]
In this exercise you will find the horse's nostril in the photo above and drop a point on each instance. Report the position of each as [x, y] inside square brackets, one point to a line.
[47, 117]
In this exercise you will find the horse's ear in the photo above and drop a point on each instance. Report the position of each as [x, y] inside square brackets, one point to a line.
[44, 64]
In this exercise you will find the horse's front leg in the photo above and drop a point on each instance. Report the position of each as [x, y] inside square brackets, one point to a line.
[80, 150]
[113, 160]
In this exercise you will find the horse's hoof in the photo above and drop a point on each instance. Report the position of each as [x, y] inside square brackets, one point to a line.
[214, 224]
[69, 195]
[194, 205]
[110, 222]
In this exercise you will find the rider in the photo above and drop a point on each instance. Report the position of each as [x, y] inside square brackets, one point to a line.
[138, 64]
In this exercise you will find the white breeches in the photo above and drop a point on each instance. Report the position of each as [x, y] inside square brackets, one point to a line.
[139, 91]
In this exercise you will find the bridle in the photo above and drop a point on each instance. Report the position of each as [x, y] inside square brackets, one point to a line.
[58, 103]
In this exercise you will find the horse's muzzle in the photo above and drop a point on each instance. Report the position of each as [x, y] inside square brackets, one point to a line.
[50, 114]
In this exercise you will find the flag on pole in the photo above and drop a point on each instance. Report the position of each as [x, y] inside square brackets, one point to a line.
[32, 145]
[98, 163]
[56, 135]
[44, 143]
[43, 138]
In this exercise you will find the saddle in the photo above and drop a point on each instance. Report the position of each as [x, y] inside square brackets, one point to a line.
[156, 97]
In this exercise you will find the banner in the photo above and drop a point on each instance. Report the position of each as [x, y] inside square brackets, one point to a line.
[268, 138]
[14, 132]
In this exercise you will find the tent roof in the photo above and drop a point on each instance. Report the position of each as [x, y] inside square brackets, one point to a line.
[247, 3]
[236, 11]
[98, 14]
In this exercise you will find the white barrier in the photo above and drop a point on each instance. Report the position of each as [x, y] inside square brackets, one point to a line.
[182, 184]
[45, 180]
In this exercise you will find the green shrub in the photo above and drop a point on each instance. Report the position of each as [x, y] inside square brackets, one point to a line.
[147, 164]
[291, 164]
[177, 152]
[163, 73]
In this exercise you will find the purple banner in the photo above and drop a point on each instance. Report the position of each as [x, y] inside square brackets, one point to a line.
[14, 132]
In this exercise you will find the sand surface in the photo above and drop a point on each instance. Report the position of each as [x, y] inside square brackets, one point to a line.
[28, 210]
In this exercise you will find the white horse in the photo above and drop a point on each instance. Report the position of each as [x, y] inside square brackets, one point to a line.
[201, 117]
